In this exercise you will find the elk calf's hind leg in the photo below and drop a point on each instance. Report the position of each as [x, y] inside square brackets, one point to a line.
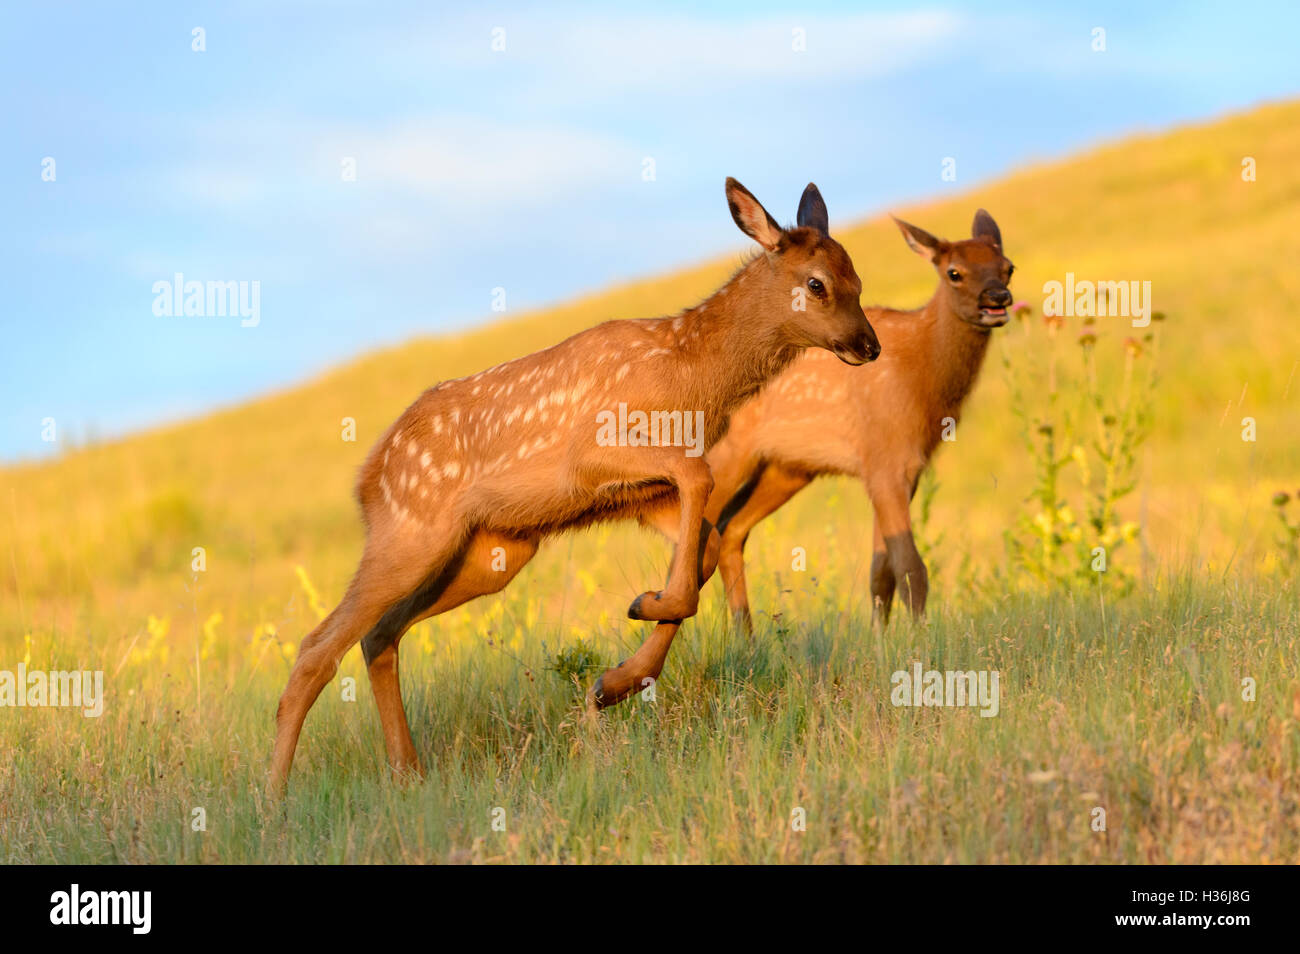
[385, 684]
[484, 566]
[385, 575]
[765, 493]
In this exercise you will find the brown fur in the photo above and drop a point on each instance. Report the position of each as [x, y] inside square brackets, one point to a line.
[880, 423]
[488, 465]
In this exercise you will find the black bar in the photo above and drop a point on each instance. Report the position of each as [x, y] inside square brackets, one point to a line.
[333, 904]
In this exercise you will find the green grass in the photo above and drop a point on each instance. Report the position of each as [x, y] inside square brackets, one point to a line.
[1136, 708]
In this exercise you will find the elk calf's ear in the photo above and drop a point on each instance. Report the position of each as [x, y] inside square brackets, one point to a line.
[752, 218]
[812, 211]
[918, 240]
[985, 229]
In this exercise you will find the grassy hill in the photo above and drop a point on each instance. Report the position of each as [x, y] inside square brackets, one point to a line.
[268, 484]
[96, 569]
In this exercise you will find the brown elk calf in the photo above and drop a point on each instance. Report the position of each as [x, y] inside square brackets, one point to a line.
[880, 424]
[461, 489]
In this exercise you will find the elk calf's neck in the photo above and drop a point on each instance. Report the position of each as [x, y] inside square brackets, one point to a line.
[952, 330]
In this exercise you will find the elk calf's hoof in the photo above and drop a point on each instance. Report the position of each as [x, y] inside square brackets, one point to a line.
[635, 612]
[405, 776]
[742, 622]
[610, 688]
[592, 708]
[661, 608]
[596, 695]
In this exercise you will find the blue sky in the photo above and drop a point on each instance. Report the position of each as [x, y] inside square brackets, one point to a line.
[519, 168]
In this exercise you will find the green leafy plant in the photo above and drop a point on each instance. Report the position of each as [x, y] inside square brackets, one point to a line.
[1289, 539]
[576, 660]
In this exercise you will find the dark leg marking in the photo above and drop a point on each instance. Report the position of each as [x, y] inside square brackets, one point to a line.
[399, 616]
[739, 498]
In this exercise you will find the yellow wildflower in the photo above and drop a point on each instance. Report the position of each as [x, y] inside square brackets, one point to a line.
[313, 597]
[209, 635]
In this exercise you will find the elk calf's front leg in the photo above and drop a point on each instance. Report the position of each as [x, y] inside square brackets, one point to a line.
[882, 587]
[910, 575]
[882, 578]
[680, 598]
[643, 667]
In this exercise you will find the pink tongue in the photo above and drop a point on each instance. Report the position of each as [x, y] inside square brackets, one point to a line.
[996, 311]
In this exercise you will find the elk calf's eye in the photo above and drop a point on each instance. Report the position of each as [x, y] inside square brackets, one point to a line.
[954, 274]
[815, 286]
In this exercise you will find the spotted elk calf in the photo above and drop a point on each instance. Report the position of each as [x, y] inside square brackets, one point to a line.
[462, 488]
[880, 424]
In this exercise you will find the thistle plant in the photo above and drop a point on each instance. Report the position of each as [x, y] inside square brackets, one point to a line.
[1083, 416]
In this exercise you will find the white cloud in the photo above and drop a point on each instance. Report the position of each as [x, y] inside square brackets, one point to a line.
[496, 163]
[220, 185]
[443, 157]
[452, 159]
[601, 55]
